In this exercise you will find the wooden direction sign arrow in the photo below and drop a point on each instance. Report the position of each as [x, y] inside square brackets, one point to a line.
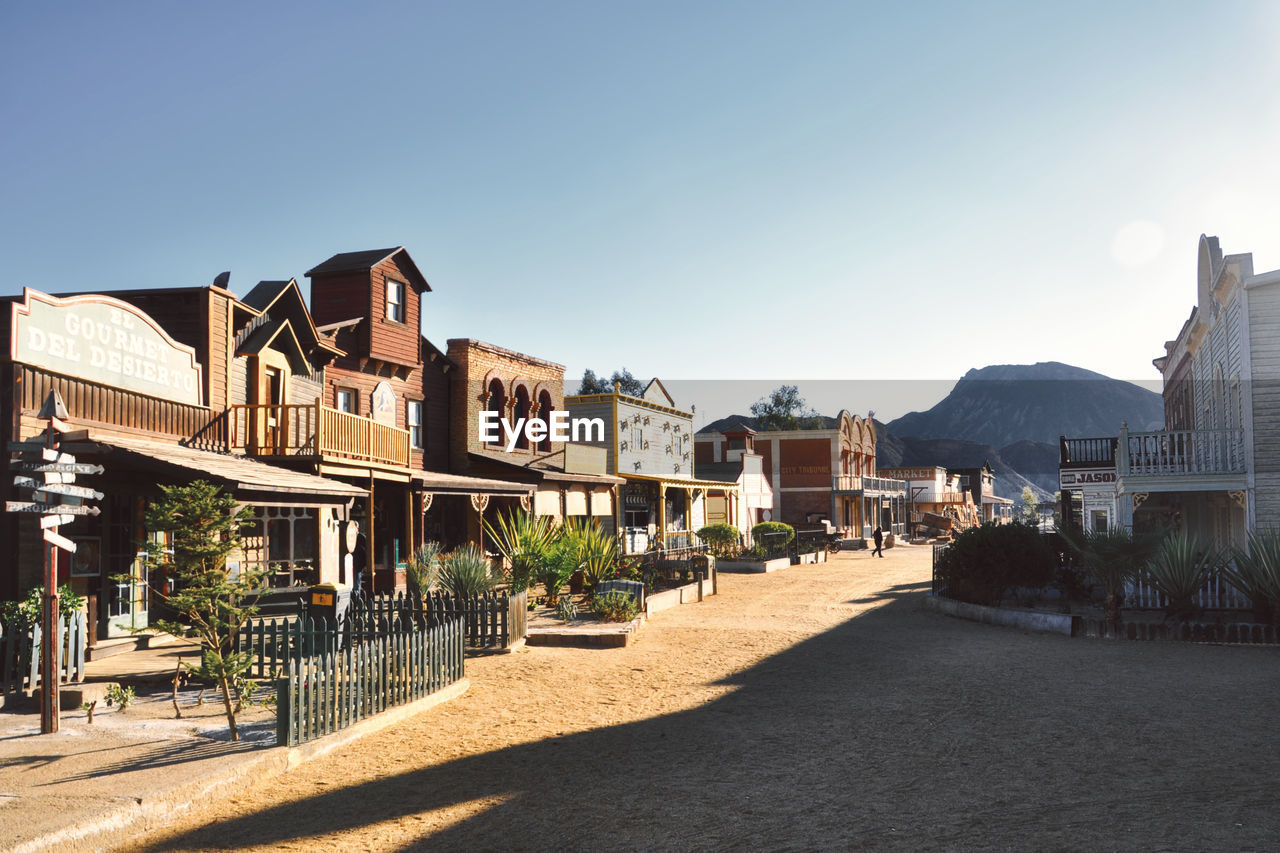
[59, 467]
[60, 541]
[60, 509]
[64, 489]
[48, 521]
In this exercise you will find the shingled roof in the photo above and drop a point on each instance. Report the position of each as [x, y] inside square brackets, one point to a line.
[367, 259]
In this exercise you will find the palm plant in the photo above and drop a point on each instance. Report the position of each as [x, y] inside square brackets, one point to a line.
[1112, 558]
[466, 572]
[562, 560]
[523, 539]
[1256, 572]
[423, 568]
[1178, 570]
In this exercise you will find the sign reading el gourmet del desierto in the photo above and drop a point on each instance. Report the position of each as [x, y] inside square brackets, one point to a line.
[103, 340]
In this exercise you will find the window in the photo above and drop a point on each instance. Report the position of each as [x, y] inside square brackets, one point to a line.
[545, 408]
[496, 403]
[395, 300]
[413, 417]
[285, 539]
[346, 400]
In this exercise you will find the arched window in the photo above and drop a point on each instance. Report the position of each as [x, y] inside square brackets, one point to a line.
[522, 414]
[496, 402]
[545, 407]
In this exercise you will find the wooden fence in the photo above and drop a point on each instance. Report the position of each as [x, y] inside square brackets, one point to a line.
[1216, 594]
[20, 653]
[494, 620]
[336, 687]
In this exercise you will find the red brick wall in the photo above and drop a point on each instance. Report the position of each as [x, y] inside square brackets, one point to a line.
[805, 462]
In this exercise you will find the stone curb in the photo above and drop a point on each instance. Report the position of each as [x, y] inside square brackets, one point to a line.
[1050, 623]
[154, 812]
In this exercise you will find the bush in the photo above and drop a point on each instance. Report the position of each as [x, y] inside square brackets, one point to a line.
[767, 528]
[1178, 570]
[1256, 572]
[615, 607]
[466, 572]
[423, 568]
[723, 539]
[984, 563]
[771, 539]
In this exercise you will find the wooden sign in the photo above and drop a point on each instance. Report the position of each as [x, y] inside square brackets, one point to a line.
[59, 467]
[106, 341]
[64, 489]
[60, 509]
[48, 521]
[60, 541]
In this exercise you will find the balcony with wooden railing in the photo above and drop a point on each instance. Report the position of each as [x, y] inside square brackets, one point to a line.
[857, 483]
[1180, 453]
[317, 431]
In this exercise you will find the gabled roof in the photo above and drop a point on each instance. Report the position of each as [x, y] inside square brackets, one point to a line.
[283, 303]
[368, 259]
[656, 392]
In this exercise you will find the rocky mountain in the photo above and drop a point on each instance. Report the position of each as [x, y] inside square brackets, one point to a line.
[893, 451]
[1004, 404]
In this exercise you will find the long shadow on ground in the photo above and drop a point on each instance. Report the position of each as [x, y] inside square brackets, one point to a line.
[898, 729]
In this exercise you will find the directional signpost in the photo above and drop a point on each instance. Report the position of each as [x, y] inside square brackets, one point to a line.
[51, 473]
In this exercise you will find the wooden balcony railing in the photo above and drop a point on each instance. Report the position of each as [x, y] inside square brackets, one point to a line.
[315, 430]
[857, 483]
[1086, 452]
[1180, 452]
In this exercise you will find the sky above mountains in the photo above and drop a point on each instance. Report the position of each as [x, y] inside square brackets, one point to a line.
[757, 192]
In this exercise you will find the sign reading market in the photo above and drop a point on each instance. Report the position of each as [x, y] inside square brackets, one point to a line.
[103, 340]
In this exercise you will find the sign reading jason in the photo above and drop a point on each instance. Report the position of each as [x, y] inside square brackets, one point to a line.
[103, 340]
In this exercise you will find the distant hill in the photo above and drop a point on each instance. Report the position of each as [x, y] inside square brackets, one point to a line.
[748, 421]
[894, 451]
[1005, 404]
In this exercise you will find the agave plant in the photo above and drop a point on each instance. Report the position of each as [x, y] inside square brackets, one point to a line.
[1256, 571]
[597, 550]
[523, 540]
[466, 572]
[423, 568]
[1178, 570]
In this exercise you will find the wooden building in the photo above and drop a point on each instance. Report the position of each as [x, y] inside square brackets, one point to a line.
[648, 442]
[746, 497]
[827, 472]
[155, 403]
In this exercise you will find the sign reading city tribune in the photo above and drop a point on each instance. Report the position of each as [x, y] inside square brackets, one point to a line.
[103, 340]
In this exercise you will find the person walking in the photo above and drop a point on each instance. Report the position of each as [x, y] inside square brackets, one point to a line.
[878, 536]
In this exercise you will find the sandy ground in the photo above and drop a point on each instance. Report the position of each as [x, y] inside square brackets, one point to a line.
[814, 708]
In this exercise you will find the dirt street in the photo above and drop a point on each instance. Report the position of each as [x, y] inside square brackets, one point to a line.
[817, 707]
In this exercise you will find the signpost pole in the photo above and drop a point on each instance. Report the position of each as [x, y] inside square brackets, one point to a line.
[49, 639]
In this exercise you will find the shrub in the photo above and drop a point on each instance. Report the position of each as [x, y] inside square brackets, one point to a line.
[566, 609]
[771, 539]
[1178, 570]
[466, 572]
[1112, 558]
[984, 563]
[723, 539]
[1256, 572]
[559, 565]
[423, 568]
[28, 611]
[523, 539]
[766, 528]
[597, 551]
[615, 607]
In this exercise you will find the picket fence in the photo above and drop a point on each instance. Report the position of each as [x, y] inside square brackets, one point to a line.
[20, 652]
[494, 620]
[336, 687]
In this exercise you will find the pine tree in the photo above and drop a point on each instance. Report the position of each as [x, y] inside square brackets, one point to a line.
[210, 604]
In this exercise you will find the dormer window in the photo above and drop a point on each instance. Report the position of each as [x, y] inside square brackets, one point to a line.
[395, 300]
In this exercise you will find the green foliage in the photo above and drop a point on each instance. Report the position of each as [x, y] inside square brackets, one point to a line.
[771, 527]
[1112, 558]
[784, 408]
[1255, 571]
[567, 610]
[615, 607]
[561, 562]
[771, 539]
[121, 697]
[597, 551]
[466, 572]
[423, 568]
[722, 538]
[1029, 507]
[203, 526]
[523, 539]
[27, 612]
[625, 382]
[984, 563]
[1179, 569]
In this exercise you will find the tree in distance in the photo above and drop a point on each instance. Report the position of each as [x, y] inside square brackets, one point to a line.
[625, 382]
[785, 409]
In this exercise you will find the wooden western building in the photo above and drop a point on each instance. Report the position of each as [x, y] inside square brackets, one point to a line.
[155, 404]
[648, 442]
[825, 472]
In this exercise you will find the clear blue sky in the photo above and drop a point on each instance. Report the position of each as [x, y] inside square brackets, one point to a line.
[771, 191]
